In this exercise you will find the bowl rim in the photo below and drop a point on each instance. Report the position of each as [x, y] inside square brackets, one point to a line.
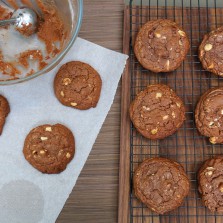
[57, 58]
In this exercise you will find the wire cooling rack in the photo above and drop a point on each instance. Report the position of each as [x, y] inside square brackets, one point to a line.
[189, 81]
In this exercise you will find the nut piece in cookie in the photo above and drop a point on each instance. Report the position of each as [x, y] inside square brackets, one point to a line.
[78, 85]
[161, 45]
[209, 115]
[49, 148]
[210, 179]
[161, 184]
[210, 51]
[157, 112]
[4, 111]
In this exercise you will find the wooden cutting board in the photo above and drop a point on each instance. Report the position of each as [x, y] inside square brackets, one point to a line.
[187, 147]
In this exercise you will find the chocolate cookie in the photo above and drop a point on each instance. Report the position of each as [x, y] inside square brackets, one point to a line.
[4, 111]
[161, 45]
[209, 115]
[161, 184]
[49, 148]
[78, 85]
[211, 51]
[157, 112]
[210, 178]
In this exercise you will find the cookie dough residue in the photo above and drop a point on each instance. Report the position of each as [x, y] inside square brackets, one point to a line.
[51, 30]
[25, 30]
[4, 13]
[27, 3]
[21, 201]
[13, 3]
[32, 55]
[8, 68]
[51, 35]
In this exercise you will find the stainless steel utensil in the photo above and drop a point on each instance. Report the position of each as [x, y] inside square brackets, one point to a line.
[23, 18]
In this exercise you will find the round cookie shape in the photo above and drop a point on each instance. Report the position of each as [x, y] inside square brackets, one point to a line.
[157, 112]
[49, 148]
[161, 184]
[4, 111]
[210, 178]
[211, 51]
[78, 85]
[209, 115]
[161, 45]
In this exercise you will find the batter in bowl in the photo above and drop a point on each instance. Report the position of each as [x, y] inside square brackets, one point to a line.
[22, 55]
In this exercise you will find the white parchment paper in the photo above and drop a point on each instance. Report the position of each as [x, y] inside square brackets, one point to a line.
[26, 195]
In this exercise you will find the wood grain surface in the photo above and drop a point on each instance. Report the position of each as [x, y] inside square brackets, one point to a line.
[124, 175]
[95, 197]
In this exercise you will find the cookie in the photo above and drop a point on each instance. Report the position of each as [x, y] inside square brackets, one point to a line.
[161, 45]
[49, 148]
[161, 184]
[209, 115]
[210, 179]
[78, 85]
[211, 51]
[4, 111]
[157, 112]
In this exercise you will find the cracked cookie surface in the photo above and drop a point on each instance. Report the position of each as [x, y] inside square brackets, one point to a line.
[209, 115]
[161, 184]
[78, 85]
[161, 45]
[49, 148]
[210, 178]
[211, 51]
[157, 112]
[4, 111]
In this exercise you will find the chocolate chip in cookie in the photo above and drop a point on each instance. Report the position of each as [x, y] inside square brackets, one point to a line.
[4, 111]
[209, 115]
[157, 112]
[211, 51]
[78, 85]
[161, 184]
[49, 148]
[210, 178]
[161, 45]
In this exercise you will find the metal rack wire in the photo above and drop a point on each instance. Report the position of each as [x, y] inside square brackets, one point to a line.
[190, 81]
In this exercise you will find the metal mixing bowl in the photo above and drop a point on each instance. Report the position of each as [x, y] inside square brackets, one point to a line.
[71, 12]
